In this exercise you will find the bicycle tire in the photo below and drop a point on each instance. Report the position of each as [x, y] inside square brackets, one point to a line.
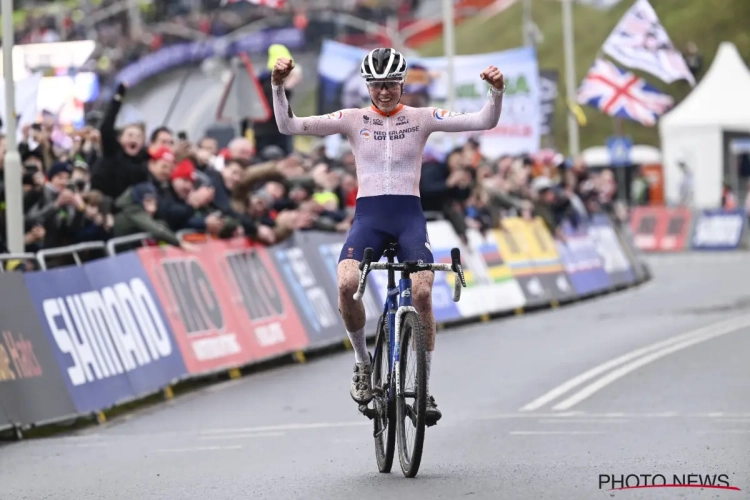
[412, 336]
[385, 441]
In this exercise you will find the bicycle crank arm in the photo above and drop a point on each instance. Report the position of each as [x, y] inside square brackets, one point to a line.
[368, 412]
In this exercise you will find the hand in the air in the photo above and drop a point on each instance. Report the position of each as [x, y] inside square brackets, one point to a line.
[494, 77]
[281, 70]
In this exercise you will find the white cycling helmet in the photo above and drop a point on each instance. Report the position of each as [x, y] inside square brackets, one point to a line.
[383, 64]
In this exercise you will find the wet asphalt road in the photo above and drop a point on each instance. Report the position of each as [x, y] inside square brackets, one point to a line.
[294, 433]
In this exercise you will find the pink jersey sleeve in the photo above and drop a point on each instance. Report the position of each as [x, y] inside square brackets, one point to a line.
[484, 119]
[333, 123]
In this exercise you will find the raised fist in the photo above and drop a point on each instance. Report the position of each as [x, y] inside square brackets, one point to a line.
[494, 77]
[281, 70]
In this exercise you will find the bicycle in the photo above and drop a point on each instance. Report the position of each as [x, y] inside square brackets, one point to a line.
[398, 327]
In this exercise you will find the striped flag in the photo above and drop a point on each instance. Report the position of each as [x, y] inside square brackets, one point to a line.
[619, 93]
[639, 41]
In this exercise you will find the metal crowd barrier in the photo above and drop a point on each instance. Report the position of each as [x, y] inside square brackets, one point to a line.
[113, 243]
[73, 250]
[14, 256]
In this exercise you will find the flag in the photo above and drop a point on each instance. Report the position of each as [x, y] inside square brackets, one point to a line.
[619, 93]
[639, 41]
[276, 4]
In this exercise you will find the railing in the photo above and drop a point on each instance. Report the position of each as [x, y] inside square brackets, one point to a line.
[124, 240]
[14, 256]
[73, 250]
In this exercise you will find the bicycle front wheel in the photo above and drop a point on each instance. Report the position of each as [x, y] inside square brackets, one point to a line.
[411, 406]
[384, 423]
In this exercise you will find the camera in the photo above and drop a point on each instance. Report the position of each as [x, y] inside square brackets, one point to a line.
[78, 185]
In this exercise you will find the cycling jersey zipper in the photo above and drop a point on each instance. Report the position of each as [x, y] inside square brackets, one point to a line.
[388, 153]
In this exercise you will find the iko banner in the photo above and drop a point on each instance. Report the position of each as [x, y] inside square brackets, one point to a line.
[265, 315]
[583, 264]
[31, 386]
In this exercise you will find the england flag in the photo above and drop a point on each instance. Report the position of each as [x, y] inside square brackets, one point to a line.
[639, 41]
[619, 93]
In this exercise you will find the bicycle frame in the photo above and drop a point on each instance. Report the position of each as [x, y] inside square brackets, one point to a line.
[398, 301]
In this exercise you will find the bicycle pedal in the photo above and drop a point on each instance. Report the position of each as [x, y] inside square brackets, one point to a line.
[368, 412]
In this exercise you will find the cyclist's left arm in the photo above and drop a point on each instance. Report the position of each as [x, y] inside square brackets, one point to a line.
[486, 118]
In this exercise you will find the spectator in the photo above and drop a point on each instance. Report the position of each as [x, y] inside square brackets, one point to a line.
[694, 59]
[137, 207]
[123, 157]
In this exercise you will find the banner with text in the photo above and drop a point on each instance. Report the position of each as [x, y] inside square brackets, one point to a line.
[608, 245]
[719, 230]
[583, 264]
[108, 335]
[31, 386]
[519, 128]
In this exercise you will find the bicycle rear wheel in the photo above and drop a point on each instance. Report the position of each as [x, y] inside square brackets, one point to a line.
[384, 424]
[411, 406]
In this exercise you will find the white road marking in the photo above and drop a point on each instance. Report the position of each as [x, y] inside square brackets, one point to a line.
[552, 433]
[637, 353]
[583, 421]
[727, 431]
[617, 374]
[200, 448]
[287, 427]
[246, 436]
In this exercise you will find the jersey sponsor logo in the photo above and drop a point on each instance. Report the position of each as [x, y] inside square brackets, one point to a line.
[377, 121]
[337, 115]
[365, 133]
[442, 114]
[401, 120]
[366, 119]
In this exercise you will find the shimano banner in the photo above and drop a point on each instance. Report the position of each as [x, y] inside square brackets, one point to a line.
[31, 386]
[719, 230]
[151, 356]
[108, 334]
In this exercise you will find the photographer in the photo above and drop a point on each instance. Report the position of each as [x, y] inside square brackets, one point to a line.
[59, 207]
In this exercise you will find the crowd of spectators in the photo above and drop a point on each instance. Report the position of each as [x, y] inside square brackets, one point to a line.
[112, 183]
[174, 21]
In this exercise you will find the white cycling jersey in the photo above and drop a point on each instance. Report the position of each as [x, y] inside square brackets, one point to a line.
[387, 147]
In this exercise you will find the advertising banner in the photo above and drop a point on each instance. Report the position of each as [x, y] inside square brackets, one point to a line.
[323, 250]
[483, 293]
[198, 307]
[267, 320]
[183, 54]
[88, 340]
[719, 230]
[583, 264]
[134, 321]
[607, 244]
[316, 305]
[661, 229]
[627, 242]
[31, 384]
[549, 80]
[518, 130]
[532, 257]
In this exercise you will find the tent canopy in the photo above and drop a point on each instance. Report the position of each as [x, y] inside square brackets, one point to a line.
[721, 97]
[698, 130]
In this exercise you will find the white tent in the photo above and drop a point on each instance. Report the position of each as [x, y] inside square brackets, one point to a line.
[697, 130]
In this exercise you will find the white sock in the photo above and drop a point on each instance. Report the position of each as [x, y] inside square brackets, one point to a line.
[359, 343]
[428, 365]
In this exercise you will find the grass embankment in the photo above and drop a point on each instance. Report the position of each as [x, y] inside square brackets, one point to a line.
[706, 22]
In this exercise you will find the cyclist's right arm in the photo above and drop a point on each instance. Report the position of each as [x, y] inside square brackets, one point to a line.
[289, 124]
